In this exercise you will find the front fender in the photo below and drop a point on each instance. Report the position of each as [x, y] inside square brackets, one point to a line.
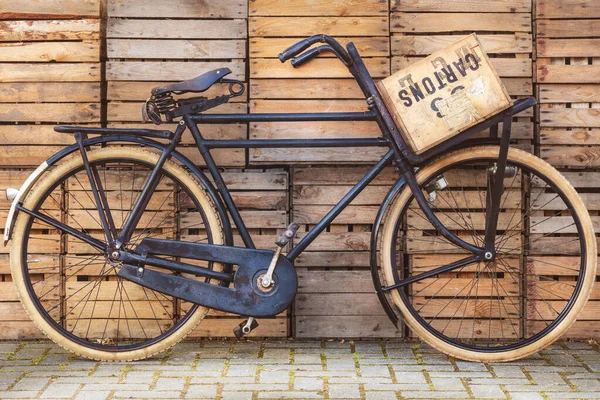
[389, 198]
[32, 179]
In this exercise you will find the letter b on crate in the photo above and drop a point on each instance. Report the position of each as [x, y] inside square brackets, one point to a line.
[444, 94]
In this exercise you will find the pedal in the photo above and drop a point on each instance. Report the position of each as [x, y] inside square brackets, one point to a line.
[245, 327]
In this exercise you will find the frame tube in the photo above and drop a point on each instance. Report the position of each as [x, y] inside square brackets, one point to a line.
[341, 205]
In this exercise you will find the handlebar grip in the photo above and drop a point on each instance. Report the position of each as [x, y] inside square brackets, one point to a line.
[305, 57]
[286, 236]
[294, 49]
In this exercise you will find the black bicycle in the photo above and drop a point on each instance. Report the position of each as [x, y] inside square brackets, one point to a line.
[486, 251]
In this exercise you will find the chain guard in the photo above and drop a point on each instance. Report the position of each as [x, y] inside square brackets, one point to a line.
[244, 298]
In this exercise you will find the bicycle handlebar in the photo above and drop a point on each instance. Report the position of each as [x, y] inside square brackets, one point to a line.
[332, 46]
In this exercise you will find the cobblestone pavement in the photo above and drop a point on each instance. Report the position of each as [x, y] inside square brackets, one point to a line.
[298, 369]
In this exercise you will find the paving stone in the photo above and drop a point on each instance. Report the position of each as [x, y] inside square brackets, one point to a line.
[586, 385]
[18, 394]
[171, 384]
[195, 391]
[344, 392]
[308, 384]
[31, 384]
[488, 391]
[274, 376]
[135, 394]
[435, 395]
[99, 395]
[375, 370]
[526, 396]
[440, 384]
[380, 396]
[60, 391]
[236, 396]
[289, 395]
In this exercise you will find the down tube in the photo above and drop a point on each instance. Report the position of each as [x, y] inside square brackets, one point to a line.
[341, 205]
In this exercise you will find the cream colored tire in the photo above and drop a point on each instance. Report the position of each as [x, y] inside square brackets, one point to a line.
[66, 165]
[387, 241]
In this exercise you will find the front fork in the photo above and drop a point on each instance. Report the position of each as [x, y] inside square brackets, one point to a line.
[493, 205]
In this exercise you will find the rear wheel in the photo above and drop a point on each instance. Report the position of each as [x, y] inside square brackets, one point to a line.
[71, 290]
[518, 302]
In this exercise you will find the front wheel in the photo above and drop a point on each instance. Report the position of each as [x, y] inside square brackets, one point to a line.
[72, 291]
[508, 307]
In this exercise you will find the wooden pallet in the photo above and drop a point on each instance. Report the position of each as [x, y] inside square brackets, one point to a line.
[146, 48]
[49, 73]
[504, 28]
[336, 297]
[322, 85]
[568, 90]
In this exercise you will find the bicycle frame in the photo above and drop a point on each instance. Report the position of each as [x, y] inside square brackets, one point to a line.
[398, 153]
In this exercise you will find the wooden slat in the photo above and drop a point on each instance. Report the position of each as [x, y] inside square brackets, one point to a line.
[348, 155]
[567, 28]
[48, 9]
[175, 29]
[33, 135]
[568, 47]
[303, 89]
[177, 9]
[173, 70]
[310, 281]
[50, 112]
[175, 49]
[567, 8]
[50, 51]
[318, 68]
[569, 136]
[577, 93]
[49, 92]
[568, 73]
[140, 91]
[371, 46]
[345, 327]
[307, 7]
[306, 26]
[75, 72]
[506, 67]
[571, 117]
[425, 45]
[336, 304]
[83, 29]
[465, 22]
[504, 6]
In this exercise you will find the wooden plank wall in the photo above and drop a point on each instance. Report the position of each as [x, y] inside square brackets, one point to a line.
[49, 73]
[568, 90]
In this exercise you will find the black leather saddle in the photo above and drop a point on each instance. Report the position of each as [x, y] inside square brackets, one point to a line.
[197, 84]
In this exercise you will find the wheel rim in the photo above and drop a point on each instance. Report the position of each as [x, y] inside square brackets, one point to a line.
[431, 310]
[73, 315]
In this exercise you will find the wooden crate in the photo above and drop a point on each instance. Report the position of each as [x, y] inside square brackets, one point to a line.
[504, 28]
[336, 297]
[322, 85]
[49, 74]
[147, 47]
[568, 90]
[440, 96]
